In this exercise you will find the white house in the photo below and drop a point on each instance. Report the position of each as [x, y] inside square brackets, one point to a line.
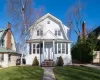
[8, 54]
[48, 41]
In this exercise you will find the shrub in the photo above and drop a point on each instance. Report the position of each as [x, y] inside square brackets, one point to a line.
[60, 61]
[35, 62]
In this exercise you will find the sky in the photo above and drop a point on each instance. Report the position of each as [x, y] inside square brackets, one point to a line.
[59, 9]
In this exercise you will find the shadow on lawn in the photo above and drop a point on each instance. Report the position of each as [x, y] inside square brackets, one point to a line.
[76, 73]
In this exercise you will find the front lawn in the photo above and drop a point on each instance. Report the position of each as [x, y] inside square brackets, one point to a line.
[76, 73]
[21, 73]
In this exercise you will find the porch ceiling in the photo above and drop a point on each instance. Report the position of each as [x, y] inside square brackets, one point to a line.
[48, 40]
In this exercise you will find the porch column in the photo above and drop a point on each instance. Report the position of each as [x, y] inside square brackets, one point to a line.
[53, 48]
[43, 49]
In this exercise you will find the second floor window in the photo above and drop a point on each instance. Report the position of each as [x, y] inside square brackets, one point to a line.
[57, 33]
[39, 32]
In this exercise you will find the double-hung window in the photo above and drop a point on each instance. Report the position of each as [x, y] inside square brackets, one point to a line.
[59, 48]
[57, 33]
[63, 48]
[36, 48]
[39, 32]
[1, 57]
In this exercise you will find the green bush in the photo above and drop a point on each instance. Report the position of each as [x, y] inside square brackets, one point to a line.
[60, 61]
[35, 62]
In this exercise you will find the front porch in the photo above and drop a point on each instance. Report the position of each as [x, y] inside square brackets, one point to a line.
[47, 51]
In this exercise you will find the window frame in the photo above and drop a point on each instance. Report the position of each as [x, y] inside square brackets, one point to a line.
[34, 51]
[40, 32]
[59, 48]
[57, 32]
[9, 57]
[63, 48]
[1, 57]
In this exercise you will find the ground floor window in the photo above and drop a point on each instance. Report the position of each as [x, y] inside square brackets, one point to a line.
[36, 48]
[9, 57]
[1, 57]
[61, 48]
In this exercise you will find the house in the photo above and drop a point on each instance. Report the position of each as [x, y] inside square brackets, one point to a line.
[48, 41]
[8, 54]
[96, 31]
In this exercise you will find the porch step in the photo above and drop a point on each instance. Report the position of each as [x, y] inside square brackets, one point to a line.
[48, 63]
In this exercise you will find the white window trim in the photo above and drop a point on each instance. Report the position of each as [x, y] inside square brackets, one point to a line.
[61, 48]
[58, 32]
[40, 32]
[36, 48]
[64, 48]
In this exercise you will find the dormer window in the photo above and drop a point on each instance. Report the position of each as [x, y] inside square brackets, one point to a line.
[39, 32]
[57, 33]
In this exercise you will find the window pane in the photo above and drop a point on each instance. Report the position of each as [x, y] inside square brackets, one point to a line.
[59, 47]
[38, 45]
[38, 33]
[2, 57]
[63, 47]
[41, 32]
[59, 50]
[9, 57]
[56, 33]
[33, 45]
[33, 51]
[30, 49]
[59, 33]
[37, 51]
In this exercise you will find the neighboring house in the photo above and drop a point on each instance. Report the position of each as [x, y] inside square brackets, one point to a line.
[48, 41]
[8, 54]
[96, 31]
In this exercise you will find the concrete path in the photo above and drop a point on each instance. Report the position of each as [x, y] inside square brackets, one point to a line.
[92, 66]
[48, 73]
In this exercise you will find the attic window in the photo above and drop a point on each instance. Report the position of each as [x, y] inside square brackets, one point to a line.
[48, 22]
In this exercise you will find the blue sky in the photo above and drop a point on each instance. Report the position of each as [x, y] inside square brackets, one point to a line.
[59, 9]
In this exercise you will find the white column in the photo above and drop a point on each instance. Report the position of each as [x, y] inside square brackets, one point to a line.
[53, 49]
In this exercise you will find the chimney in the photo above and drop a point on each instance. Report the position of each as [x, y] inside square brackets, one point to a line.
[84, 29]
[8, 45]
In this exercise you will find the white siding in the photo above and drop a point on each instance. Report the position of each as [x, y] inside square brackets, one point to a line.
[47, 27]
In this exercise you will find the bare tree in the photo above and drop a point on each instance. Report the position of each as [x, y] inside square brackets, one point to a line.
[75, 18]
[23, 16]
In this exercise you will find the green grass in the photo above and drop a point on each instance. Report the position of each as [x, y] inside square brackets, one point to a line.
[21, 73]
[76, 73]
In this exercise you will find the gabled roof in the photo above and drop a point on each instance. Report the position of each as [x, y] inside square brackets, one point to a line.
[54, 18]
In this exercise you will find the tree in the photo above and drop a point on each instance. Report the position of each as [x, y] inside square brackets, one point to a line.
[82, 51]
[23, 15]
[75, 18]
[35, 62]
[60, 61]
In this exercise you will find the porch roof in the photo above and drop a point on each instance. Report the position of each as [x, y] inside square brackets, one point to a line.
[48, 40]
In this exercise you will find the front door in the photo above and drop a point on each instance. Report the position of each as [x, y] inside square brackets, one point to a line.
[49, 51]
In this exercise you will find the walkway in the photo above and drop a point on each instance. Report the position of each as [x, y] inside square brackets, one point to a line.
[48, 73]
[92, 66]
